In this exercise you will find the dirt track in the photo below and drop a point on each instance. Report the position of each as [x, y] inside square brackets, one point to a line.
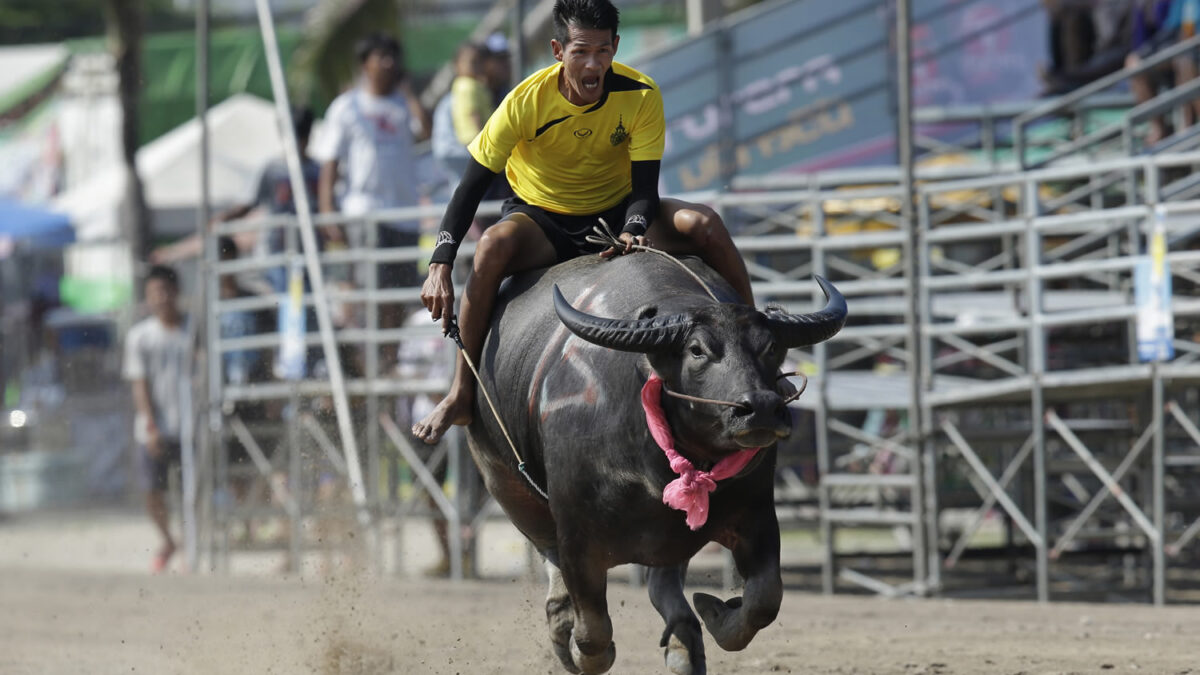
[88, 622]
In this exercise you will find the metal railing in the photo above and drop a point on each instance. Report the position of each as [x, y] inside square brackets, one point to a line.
[1002, 281]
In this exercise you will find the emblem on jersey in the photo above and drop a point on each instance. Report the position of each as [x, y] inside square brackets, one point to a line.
[444, 238]
[619, 134]
[583, 133]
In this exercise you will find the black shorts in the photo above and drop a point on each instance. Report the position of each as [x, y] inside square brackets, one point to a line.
[568, 234]
[158, 469]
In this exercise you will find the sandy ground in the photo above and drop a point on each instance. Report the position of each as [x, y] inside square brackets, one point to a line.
[67, 606]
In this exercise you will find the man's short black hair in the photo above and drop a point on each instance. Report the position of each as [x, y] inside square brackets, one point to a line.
[377, 42]
[164, 274]
[592, 14]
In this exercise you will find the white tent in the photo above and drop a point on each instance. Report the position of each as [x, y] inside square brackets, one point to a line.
[243, 137]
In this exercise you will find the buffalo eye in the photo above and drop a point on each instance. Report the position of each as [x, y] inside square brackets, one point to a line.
[770, 350]
[696, 351]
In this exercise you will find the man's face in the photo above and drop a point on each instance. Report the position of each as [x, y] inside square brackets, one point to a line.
[383, 69]
[586, 57]
[160, 297]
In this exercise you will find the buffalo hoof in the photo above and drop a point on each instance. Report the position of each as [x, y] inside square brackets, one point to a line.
[562, 621]
[680, 659]
[722, 619]
[593, 664]
[563, 651]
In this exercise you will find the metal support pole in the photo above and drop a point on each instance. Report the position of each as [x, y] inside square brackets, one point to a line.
[315, 274]
[372, 366]
[913, 315]
[189, 446]
[1158, 487]
[295, 562]
[821, 418]
[1037, 369]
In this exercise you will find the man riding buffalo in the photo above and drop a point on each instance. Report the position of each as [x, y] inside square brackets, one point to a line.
[579, 140]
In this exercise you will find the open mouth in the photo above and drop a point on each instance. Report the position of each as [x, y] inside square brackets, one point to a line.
[591, 84]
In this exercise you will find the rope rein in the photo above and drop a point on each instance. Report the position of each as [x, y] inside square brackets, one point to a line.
[604, 237]
[454, 334]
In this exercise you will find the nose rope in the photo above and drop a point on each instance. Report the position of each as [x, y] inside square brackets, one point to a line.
[731, 404]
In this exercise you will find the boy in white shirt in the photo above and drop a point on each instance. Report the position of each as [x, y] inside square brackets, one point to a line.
[158, 367]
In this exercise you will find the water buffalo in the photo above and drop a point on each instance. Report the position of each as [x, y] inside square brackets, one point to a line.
[570, 394]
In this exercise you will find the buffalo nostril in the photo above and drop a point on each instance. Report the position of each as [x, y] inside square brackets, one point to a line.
[759, 403]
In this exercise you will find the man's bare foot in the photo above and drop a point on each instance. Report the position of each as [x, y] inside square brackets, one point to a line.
[452, 410]
[159, 564]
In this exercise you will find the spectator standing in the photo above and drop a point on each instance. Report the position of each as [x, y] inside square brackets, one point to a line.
[367, 144]
[460, 114]
[157, 365]
[497, 67]
[243, 365]
[275, 197]
[498, 74]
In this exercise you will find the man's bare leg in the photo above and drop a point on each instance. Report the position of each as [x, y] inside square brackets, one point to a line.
[156, 506]
[508, 247]
[695, 229]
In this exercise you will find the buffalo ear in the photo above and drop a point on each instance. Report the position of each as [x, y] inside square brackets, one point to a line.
[647, 312]
[627, 335]
[799, 330]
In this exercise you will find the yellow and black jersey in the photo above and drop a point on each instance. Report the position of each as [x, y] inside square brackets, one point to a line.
[573, 159]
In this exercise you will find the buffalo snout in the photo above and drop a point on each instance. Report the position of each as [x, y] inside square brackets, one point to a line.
[760, 419]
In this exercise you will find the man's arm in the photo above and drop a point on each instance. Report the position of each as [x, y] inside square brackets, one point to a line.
[141, 403]
[643, 206]
[325, 183]
[438, 292]
[418, 111]
[643, 200]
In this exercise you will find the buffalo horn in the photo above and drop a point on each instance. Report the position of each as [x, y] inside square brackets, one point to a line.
[798, 330]
[627, 335]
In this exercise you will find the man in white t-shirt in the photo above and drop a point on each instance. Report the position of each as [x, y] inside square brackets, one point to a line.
[367, 142]
[158, 366]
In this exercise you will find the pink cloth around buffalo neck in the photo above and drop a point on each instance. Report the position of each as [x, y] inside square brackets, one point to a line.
[689, 492]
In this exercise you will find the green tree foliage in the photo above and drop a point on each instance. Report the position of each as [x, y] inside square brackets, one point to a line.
[324, 63]
[35, 21]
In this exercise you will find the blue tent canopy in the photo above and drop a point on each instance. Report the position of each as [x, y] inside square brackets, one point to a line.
[37, 228]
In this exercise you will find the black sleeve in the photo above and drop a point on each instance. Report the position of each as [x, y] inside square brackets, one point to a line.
[461, 211]
[643, 201]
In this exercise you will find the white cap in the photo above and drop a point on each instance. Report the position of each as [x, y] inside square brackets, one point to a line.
[496, 43]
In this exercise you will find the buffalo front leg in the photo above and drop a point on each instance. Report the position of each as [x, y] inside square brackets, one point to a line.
[683, 643]
[586, 581]
[735, 622]
[560, 616]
